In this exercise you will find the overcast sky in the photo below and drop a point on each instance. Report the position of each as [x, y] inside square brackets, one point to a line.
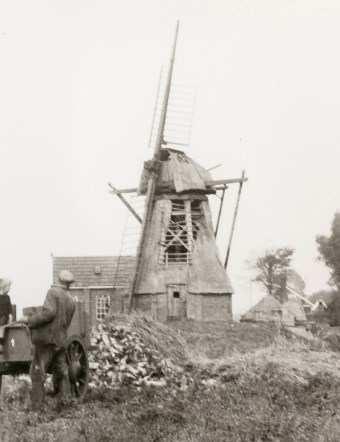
[78, 82]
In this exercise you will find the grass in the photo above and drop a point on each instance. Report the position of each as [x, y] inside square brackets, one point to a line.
[218, 339]
[270, 388]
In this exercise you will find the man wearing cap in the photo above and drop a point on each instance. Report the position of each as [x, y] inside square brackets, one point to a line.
[49, 333]
[5, 301]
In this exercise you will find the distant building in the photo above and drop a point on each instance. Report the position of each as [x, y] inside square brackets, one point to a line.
[98, 284]
[269, 309]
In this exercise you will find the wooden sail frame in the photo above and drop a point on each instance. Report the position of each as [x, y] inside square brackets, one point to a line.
[151, 186]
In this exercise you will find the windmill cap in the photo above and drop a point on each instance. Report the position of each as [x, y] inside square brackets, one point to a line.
[5, 285]
[66, 276]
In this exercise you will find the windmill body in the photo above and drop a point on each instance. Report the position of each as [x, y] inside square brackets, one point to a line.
[180, 274]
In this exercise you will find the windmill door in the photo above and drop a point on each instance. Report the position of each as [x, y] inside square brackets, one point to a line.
[176, 301]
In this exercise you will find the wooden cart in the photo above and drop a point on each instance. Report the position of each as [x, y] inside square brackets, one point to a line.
[16, 350]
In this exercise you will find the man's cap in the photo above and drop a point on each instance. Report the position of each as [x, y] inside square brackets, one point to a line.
[5, 285]
[66, 276]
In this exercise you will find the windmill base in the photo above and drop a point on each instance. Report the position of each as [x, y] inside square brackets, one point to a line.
[177, 305]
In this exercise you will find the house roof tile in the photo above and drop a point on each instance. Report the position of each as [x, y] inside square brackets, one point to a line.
[95, 270]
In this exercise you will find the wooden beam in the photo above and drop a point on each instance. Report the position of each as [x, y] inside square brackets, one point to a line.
[212, 183]
[125, 202]
[214, 167]
[176, 236]
[220, 211]
[243, 179]
[133, 190]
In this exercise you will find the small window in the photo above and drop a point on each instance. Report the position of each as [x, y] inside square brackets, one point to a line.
[97, 270]
[102, 306]
[176, 295]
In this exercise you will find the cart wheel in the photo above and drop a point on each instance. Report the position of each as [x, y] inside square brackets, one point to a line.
[78, 367]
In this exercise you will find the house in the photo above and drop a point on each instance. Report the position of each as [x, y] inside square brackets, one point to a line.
[98, 282]
[269, 309]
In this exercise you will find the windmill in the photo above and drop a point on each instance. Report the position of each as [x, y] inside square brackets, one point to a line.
[177, 270]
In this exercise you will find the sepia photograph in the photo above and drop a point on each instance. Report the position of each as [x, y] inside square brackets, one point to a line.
[170, 221]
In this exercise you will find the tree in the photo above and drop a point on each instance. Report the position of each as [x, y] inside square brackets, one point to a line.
[329, 251]
[272, 270]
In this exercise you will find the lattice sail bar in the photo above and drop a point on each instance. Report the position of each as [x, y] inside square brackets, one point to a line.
[126, 263]
[179, 114]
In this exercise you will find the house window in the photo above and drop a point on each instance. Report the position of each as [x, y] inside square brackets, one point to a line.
[176, 295]
[102, 306]
[178, 237]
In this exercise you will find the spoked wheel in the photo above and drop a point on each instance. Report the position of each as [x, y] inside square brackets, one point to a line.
[78, 367]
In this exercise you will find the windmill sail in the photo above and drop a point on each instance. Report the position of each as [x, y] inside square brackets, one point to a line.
[179, 114]
[151, 185]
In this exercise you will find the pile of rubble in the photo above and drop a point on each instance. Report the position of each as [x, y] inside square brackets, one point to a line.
[136, 351]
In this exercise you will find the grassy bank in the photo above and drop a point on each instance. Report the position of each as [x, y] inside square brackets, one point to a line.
[286, 391]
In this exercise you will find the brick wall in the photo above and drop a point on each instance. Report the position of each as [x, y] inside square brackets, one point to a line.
[216, 308]
[143, 303]
[198, 307]
[88, 297]
[194, 307]
[154, 305]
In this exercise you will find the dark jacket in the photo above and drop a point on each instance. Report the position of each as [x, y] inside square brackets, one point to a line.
[50, 324]
[5, 309]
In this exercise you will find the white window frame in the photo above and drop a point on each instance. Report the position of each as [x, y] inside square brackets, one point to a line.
[102, 306]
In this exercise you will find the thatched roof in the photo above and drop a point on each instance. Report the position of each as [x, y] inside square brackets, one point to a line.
[266, 305]
[270, 309]
[177, 173]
